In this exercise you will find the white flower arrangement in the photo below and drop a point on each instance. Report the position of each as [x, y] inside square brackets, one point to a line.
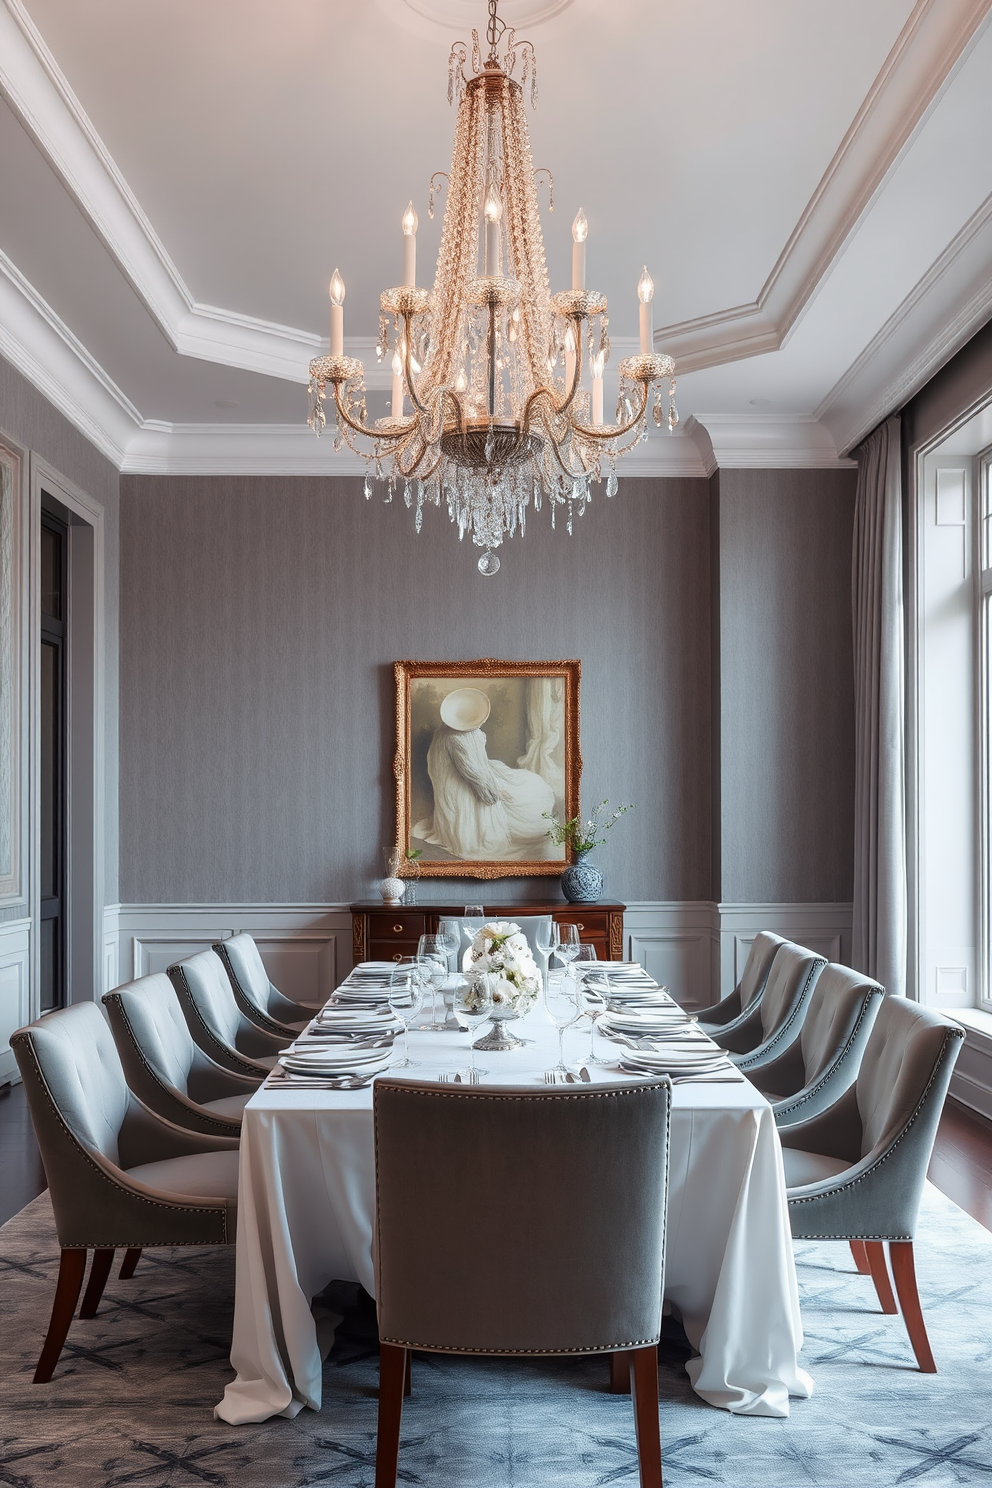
[501, 956]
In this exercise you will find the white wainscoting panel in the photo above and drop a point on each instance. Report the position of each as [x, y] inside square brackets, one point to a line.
[111, 948]
[678, 943]
[15, 951]
[306, 948]
[823, 928]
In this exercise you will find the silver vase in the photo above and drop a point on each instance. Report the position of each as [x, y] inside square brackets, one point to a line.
[499, 1038]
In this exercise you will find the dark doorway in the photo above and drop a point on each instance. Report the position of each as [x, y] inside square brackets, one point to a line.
[54, 751]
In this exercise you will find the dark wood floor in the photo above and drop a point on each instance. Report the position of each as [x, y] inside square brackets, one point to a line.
[961, 1166]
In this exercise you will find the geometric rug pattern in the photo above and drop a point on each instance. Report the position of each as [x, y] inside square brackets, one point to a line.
[130, 1404]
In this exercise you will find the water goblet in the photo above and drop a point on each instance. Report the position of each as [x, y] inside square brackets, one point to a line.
[406, 994]
[546, 942]
[568, 942]
[595, 994]
[432, 953]
[472, 1005]
[562, 1002]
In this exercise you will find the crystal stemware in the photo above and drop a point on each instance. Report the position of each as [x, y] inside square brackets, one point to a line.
[406, 994]
[473, 1003]
[432, 953]
[562, 1001]
[568, 942]
[546, 942]
[595, 984]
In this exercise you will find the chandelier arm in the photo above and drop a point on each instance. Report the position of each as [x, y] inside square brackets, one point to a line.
[614, 431]
[360, 428]
[408, 473]
[407, 369]
[577, 373]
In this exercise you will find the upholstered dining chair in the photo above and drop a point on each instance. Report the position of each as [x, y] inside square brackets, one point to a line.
[120, 1176]
[255, 994]
[818, 1067]
[449, 1178]
[736, 1005]
[216, 1022]
[165, 1068]
[856, 1171]
[774, 1023]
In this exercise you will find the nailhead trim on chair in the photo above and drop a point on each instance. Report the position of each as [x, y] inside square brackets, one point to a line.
[611, 1093]
[257, 1014]
[249, 1066]
[793, 1102]
[115, 1183]
[225, 1128]
[818, 964]
[950, 1033]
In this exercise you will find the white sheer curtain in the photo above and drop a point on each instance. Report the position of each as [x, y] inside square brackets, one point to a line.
[545, 717]
[879, 939]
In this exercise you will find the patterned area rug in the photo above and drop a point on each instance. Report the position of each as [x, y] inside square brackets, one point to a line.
[131, 1400]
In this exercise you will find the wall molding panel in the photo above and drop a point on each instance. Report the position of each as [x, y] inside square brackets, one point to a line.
[15, 986]
[824, 928]
[306, 947]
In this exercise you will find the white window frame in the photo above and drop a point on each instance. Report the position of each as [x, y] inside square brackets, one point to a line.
[983, 713]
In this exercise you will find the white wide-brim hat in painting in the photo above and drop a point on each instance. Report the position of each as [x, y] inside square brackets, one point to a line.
[465, 708]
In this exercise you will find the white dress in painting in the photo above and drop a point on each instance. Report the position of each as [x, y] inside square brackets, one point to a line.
[483, 808]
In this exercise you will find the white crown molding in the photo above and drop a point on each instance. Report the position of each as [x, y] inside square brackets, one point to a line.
[887, 373]
[933, 41]
[762, 442]
[931, 45]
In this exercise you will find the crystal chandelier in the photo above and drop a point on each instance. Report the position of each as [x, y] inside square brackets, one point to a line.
[489, 414]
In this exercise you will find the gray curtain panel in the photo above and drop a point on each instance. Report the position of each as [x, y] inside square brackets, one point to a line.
[879, 939]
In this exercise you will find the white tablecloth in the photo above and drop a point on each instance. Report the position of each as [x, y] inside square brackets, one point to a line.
[305, 1218]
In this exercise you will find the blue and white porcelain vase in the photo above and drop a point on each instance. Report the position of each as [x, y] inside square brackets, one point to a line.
[582, 882]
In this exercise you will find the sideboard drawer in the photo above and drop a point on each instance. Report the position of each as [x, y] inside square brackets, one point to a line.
[395, 924]
[392, 950]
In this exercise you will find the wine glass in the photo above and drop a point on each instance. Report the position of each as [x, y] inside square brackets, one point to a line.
[450, 931]
[568, 943]
[473, 1003]
[432, 953]
[406, 994]
[546, 941]
[474, 919]
[595, 983]
[562, 1002]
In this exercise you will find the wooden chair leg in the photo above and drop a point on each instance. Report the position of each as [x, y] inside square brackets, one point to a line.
[131, 1259]
[644, 1387]
[71, 1268]
[860, 1257]
[99, 1271]
[408, 1374]
[620, 1373]
[392, 1377]
[875, 1252]
[904, 1271]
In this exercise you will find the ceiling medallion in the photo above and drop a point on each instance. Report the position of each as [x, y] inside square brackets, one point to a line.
[518, 12]
[489, 414]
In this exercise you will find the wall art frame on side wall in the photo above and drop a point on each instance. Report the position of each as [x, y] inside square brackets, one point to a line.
[483, 749]
[13, 496]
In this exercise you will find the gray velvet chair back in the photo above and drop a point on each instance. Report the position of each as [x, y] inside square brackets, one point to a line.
[794, 972]
[210, 990]
[214, 1019]
[754, 977]
[247, 971]
[467, 1176]
[80, 1066]
[841, 1013]
[900, 1069]
[150, 1009]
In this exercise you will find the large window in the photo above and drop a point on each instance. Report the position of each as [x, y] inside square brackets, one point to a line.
[984, 586]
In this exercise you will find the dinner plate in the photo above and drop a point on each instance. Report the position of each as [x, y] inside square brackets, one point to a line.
[352, 1017]
[670, 1057]
[335, 1067]
[336, 1054]
[635, 1067]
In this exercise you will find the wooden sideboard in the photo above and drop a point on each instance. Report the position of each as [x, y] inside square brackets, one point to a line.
[385, 932]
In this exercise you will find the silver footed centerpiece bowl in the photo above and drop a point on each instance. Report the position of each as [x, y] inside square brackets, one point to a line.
[501, 965]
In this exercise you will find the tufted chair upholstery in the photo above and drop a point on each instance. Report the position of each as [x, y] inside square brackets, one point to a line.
[165, 1068]
[816, 1070]
[735, 1006]
[594, 1227]
[856, 1171]
[255, 994]
[774, 1022]
[119, 1175]
[216, 1022]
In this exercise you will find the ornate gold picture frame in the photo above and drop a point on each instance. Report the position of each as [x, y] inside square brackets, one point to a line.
[483, 749]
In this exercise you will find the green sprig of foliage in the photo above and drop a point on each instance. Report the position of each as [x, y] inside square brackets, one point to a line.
[583, 836]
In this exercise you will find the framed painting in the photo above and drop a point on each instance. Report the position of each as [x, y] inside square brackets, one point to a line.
[483, 750]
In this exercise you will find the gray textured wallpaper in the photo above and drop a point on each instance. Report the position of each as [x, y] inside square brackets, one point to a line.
[260, 621]
[786, 685]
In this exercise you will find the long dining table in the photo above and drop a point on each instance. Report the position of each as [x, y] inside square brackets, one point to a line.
[306, 1218]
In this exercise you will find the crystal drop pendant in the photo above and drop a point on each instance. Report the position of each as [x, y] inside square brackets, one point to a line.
[488, 564]
[368, 488]
[612, 485]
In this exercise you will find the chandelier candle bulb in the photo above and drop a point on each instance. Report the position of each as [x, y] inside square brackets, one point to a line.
[410, 225]
[493, 213]
[337, 314]
[645, 293]
[580, 231]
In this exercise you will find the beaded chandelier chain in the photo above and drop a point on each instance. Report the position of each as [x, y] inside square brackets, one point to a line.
[489, 414]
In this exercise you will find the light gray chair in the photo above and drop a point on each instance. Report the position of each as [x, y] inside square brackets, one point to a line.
[824, 1062]
[738, 1003]
[120, 1176]
[216, 1022]
[774, 1023]
[449, 1178]
[255, 994]
[856, 1171]
[165, 1068]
